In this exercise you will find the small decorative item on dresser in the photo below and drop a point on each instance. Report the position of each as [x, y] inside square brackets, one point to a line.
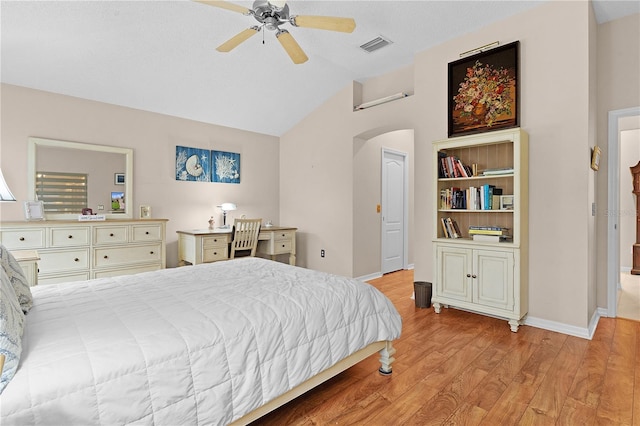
[212, 223]
[34, 210]
[145, 212]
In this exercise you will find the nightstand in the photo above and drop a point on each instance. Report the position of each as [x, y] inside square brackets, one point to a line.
[28, 260]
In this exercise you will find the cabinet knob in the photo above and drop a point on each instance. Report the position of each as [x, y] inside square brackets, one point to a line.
[283, 246]
[106, 257]
[76, 260]
[70, 236]
[147, 233]
[111, 235]
[215, 240]
[474, 276]
[150, 252]
[21, 238]
[468, 275]
[215, 253]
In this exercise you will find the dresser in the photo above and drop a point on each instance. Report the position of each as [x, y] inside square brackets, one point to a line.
[74, 251]
[211, 245]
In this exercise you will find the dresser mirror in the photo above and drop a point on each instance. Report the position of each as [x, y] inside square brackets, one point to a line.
[71, 176]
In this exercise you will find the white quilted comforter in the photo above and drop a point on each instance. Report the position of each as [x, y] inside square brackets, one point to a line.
[204, 344]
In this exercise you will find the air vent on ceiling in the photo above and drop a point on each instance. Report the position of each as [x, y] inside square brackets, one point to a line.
[375, 44]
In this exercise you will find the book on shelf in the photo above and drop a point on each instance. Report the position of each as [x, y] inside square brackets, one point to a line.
[492, 238]
[452, 167]
[488, 230]
[498, 171]
[450, 228]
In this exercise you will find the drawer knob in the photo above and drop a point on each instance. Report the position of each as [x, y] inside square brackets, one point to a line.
[283, 246]
[215, 240]
[151, 252]
[468, 275]
[76, 260]
[215, 253]
[21, 238]
[474, 276]
[111, 235]
[106, 257]
[70, 236]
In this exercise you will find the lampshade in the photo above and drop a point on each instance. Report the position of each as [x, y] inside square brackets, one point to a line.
[225, 207]
[278, 3]
[5, 192]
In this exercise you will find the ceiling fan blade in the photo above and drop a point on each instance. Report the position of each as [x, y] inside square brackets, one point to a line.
[226, 5]
[234, 41]
[292, 47]
[331, 23]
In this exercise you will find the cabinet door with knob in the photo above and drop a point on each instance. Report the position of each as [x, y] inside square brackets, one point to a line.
[481, 280]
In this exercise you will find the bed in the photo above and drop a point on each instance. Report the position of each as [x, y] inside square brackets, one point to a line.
[216, 343]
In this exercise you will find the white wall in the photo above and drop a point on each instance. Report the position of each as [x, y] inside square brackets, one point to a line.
[618, 47]
[629, 157]
[555, 110]
[187, 205]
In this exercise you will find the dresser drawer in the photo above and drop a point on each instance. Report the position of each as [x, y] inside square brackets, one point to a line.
[57, 279]
[20, 239]
[114, 256]
[63, 260]
[214, 254]
[110, 235]
[144, 233]
[215, 241]
[282, 246]
[284, 235]
[65, 237]
[128, 271]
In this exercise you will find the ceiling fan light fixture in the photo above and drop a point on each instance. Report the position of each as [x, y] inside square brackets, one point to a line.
[278, 4]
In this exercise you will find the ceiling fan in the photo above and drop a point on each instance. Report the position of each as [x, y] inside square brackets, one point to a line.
[271, 15]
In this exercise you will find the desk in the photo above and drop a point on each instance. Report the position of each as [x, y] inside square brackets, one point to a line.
[211, 245]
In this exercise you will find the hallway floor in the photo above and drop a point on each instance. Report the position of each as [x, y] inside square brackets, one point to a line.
[629, 297]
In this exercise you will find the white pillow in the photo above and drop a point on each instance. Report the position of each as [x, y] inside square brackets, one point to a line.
[11, 327]
[17, 279]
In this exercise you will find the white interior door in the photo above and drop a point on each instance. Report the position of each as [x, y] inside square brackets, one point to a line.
[394, 210]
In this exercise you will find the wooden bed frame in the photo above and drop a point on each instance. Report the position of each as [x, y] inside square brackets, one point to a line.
[385, 348]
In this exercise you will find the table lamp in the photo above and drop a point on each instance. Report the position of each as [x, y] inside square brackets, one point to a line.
[5, 192]
[226, 207]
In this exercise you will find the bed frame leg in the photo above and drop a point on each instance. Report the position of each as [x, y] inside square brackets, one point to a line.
[386, 359]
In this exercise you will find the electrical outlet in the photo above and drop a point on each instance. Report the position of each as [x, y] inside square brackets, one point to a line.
[100, 207]
[322, 253]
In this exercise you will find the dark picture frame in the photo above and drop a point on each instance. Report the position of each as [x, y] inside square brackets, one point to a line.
[484, 91]
[118, 178]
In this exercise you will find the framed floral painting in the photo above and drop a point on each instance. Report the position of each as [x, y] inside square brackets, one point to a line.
[484, 91]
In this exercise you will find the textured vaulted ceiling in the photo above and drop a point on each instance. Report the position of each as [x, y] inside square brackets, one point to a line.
[160, 55]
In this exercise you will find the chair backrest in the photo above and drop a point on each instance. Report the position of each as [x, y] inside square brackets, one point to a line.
[245, 236]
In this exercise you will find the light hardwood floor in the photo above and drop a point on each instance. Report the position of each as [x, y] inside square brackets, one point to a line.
[459, 368]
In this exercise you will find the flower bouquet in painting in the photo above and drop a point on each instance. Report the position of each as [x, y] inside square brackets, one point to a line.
[483, 91]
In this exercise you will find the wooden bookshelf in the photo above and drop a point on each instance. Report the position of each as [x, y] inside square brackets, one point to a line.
[484, 276]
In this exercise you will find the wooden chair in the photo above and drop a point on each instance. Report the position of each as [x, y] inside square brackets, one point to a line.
[245, 236]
